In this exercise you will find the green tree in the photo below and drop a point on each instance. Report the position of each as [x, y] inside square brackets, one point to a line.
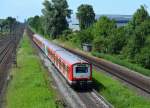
[137, 31]
[103, 29]
[36, 23]
[85, 15]
[117, 41]
[55, 16]
[137, 40]
[10, 23]
[1, 25]
[85, 36]
[139, 16]
[144, 57]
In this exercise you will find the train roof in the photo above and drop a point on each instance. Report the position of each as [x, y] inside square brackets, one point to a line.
[39, 37]
[48, 44]
[53, 47]
[69, 57]
[64, 54]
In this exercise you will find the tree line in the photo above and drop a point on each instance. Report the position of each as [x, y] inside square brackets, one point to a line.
[131, 42]
[7, 25]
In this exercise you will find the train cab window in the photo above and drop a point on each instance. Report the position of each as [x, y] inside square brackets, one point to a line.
[81, 69]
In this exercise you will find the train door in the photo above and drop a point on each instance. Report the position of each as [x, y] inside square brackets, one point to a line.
[46, 50]
[66, 71]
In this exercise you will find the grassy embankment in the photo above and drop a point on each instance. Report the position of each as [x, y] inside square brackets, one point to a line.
[30, 85]
[123, 62]
[115, 92]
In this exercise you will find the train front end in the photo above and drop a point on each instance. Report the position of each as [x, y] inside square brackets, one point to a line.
[82, 73]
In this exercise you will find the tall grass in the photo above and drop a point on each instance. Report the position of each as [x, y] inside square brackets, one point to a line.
[123, 62]
[118, 94]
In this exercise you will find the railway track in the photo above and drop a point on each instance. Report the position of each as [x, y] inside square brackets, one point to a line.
[8, 46]
[4, 51]
[5, 63]
[4, 56]
[84, 98]
[93, 99]
[137, 80]
[76, 98]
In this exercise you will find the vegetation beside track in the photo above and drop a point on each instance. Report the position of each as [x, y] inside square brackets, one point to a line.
[117, 94]
[30, 86]
[123, 62]
[113, 58]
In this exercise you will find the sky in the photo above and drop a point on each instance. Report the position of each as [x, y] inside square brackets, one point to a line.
[22, 9]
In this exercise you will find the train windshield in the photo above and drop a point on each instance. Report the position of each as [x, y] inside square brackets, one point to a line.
[81, 69]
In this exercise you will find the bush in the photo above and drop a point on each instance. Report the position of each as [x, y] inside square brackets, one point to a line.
[104, 27]
[66, 34]
[100, 44]
[144, 57]
[85, 36]
[117, 41]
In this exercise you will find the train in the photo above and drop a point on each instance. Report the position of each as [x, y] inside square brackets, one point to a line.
[74, 69]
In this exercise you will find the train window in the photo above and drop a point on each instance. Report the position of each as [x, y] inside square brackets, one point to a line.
[66, 68]
[81, 69]
[53, 57]
[51, 54]
[59, 62]
[63, 66]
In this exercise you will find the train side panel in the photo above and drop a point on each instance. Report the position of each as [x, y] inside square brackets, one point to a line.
[65, 68]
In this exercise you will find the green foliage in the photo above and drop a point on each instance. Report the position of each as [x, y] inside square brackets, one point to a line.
[36, 23]
[79, 37]
[131, 41]
[100, 44]
[119, 59]
[85, 36]
[117, 94]
[54, 15]
[117, 41]
[139, 16]
[137, 40]
[1, 25]
[66, 35]
[85, 15]
[8, 24]
[103, 29]
[144, 57]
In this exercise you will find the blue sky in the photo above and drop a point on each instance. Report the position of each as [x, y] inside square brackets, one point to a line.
[23, 9]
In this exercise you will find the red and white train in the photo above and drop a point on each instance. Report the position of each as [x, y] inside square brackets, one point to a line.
[74, 69]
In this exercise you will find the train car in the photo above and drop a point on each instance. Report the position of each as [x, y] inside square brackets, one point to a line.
[74, 69]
